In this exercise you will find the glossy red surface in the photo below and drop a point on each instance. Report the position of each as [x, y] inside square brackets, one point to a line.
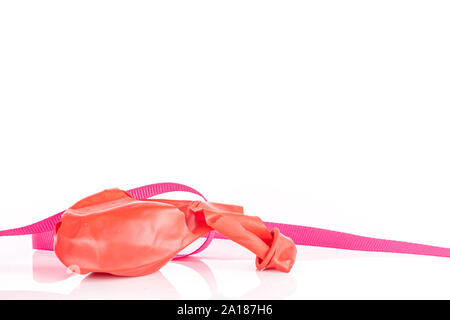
[112, 232]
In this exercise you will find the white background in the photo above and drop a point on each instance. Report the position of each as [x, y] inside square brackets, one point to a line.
[333, 114]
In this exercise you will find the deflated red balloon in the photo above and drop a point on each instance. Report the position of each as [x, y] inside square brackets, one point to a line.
[114, 233]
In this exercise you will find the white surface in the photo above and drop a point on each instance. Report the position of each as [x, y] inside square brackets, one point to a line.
[332, 114]
[226, 271]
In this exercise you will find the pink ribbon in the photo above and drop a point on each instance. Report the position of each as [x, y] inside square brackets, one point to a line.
[43, 231]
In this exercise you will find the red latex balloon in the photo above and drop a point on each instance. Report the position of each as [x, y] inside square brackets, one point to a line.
[114, 233]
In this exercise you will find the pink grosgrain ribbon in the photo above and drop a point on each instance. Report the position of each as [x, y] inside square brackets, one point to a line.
[43, 231]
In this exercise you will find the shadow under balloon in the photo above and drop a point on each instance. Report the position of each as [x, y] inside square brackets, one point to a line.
[47, 269]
